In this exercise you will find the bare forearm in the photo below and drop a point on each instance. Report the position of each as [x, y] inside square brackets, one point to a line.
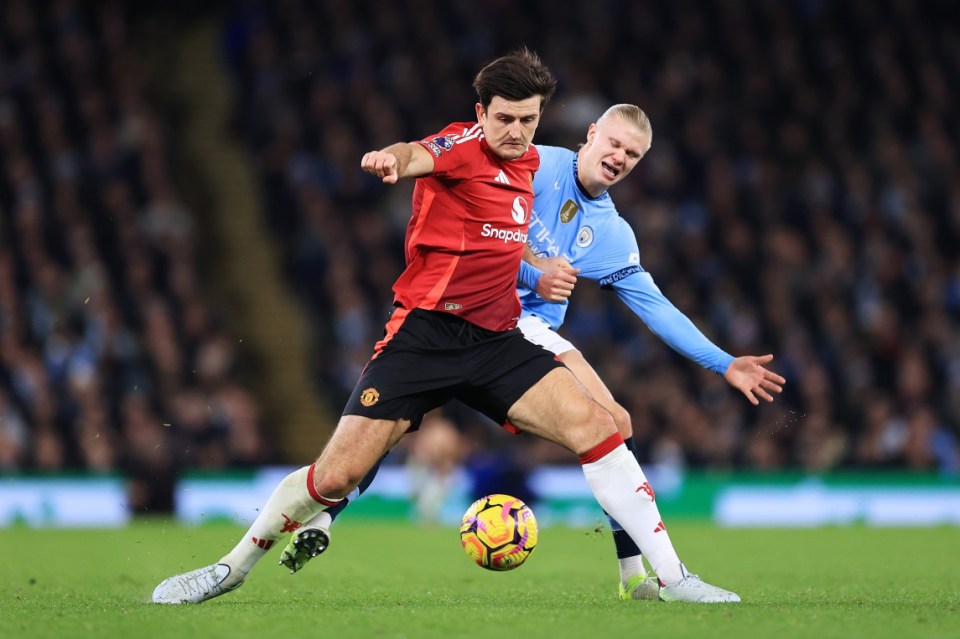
[403, 153]
[412, 159]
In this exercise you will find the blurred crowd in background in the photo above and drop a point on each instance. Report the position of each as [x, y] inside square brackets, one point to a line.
[802, 198]
[111, 355]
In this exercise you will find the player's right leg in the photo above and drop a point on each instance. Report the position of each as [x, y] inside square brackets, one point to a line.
[314, 538]
[402, 382]
[356, 445]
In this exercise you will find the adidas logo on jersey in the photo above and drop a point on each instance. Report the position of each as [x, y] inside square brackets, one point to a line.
[501, 178]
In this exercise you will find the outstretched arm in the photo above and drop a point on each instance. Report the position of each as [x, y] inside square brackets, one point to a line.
[400, 160]
[747, 374]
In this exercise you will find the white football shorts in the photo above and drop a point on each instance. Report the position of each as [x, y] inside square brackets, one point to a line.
[540, 333]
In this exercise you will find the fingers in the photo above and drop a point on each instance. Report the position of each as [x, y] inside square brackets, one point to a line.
[762, 389]
[560, 292]
[770, 376]
[763, 394]
[556, 285]
[770, 386]
[383, 165]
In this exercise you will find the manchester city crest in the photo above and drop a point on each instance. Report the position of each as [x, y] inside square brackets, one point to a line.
[585, 237]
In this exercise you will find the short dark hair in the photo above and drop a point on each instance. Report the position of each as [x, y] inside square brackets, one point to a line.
[516, 76]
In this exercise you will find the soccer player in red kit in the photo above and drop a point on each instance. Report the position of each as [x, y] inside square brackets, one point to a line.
[453, 335]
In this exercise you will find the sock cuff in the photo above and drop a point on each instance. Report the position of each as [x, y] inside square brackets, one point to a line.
[602, 449]
[317, 497]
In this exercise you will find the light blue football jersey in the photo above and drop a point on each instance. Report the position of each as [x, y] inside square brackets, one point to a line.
[590, 234]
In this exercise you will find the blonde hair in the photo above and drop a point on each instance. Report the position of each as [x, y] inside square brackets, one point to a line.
[630, 113]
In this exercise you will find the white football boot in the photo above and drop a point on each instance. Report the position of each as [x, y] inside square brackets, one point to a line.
[197, 585]
[692, 589]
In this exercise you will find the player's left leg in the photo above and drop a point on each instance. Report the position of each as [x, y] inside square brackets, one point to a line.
[635, 583]
[558, 408]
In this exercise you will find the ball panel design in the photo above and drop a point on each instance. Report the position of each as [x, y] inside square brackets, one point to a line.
[498, 532]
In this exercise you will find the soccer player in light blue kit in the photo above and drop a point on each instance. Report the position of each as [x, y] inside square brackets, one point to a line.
[576, 226]
[575, 229]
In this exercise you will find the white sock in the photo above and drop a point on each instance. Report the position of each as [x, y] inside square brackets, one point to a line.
[621, 488]
[293, 502]
[323, 520]
[630, 566]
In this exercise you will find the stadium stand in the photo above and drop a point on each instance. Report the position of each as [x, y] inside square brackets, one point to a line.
[802, 197]
[113, 357]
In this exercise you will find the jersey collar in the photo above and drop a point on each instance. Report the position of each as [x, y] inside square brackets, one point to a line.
[580, 187]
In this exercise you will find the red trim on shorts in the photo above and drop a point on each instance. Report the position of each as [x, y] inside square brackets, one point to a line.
[396, 320]
[317, 497]
[510, 428]
[602, 449]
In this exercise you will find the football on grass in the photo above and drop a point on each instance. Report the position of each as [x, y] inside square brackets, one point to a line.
[498, 532]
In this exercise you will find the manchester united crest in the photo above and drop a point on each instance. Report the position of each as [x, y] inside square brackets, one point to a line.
[369, 397]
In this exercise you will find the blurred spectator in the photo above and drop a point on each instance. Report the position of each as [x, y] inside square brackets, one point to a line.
[800, 198]
[105, 333]
[432, 460]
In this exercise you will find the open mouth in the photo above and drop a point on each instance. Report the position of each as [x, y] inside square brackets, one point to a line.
[610, 171]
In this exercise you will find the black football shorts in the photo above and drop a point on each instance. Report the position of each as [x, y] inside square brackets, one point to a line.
[427, 358]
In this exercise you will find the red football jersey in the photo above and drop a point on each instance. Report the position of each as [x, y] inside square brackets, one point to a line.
[465, 239]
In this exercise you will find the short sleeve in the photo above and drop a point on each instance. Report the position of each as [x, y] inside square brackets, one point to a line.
[454, 149]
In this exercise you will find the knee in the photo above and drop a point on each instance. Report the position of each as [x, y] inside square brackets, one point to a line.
[334, 483]
[604, 419]
[622, 419]
[593, 426]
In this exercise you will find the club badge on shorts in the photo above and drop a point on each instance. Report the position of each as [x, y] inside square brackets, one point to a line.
[369, 397]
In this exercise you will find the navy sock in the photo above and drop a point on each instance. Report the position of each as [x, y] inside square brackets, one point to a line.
[626, 547]
[334, 511]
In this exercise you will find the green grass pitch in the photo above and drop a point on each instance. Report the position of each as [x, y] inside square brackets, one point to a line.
[397, 580]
